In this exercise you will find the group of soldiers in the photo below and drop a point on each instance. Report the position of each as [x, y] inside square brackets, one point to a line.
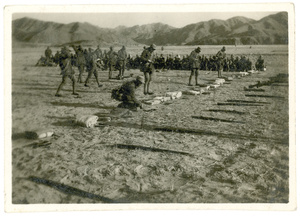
[91, 60]
[207, 63]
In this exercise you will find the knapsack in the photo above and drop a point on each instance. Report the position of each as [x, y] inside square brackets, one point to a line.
[117, 93]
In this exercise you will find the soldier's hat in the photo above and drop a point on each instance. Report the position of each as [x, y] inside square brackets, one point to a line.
[223, 49]
[153, 46]
[140, 79]
[198, 49]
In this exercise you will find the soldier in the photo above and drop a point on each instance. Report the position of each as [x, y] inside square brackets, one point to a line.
[48, 54]
[81, 62]
[177, 62]
[147, 67]
[91, 67]
[237, 64]
[194, 65]
[232, 66]
[259, 65]
[220, 58]
[122, 57]
[56, 57]
[126, 94]
[98, 52]
[112, 59]
[170, 62]
[66, 70]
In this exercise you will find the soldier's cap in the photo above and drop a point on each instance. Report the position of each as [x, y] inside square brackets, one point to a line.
[140, 79]
[153, 46]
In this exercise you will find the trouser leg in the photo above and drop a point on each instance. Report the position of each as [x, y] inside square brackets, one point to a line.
[61, 84]
[191, 76]
[110, 71]
[81, 69]
[96, 76]
[88, 77]
[146, 85]
[73, 83]
[196, 76]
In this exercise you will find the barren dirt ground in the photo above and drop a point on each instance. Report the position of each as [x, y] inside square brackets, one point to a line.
[232, 162]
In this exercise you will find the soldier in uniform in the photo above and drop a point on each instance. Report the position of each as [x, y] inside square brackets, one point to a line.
[66, 70]
[91, 67]
[112, 60]
[48, 54]
[147, 67]
[259, 65]
[122, 57]
[56, 57]
[126, 94]
[220, 58]
[81, 61]
[98, 52]
[194, 65]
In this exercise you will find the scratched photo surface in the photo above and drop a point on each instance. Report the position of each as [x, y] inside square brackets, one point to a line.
[219, 137]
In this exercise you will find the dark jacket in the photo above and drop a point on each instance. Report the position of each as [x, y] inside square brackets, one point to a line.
[128, 90]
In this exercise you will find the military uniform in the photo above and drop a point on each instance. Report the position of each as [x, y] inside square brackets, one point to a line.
[259, 65]
[147, 66]
[112, 57]
[122, 57]
[66, 70]
[48, 54]
[128, 97]
[147, 59]
[194, 65]
[98, 53]
[91, 67]
[220, 58]
[81, 61]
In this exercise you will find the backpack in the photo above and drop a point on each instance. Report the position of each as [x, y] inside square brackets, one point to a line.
[117, 93]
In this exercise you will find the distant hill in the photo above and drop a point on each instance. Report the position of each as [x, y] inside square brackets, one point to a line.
[272, 29]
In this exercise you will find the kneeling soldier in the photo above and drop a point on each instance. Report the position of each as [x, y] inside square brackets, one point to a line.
[126, 94]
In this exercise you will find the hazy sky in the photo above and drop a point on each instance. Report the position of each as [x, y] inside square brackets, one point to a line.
[111, 20]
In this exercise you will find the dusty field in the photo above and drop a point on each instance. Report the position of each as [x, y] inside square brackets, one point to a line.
[231, 163]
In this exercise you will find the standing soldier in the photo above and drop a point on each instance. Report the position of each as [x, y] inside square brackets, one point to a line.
[147, 67]
[98, 52]
[220, 58]
[91, 67]
[112, 59]
[194, 65]
[122, 56]
[80, 61]
[48, 54]
[66, 70]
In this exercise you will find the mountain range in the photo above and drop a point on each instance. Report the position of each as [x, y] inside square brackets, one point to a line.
[272, 29]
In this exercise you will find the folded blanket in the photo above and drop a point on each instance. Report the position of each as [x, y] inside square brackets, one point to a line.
[88, 121]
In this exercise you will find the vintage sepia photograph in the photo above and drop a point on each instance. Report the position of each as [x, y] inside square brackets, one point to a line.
[109, 106]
